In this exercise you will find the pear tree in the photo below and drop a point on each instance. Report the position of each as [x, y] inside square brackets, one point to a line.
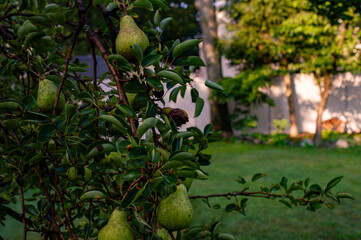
[81, 162]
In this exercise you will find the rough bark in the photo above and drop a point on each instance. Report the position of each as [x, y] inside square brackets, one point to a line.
[324, 86]
[291, 105]
[219, 112]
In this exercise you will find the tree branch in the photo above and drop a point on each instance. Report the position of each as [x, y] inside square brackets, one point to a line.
[92, 36]
[249, 194]
[112, 29]
[67, 60]
[23, 211]
[171, 235]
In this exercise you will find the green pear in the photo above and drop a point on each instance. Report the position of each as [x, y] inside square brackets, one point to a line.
[87, 174]
[114, 158]
[117, 228]
[72, 173]
[163, 233]
[47, 95]
[129, 34]
[176, 211]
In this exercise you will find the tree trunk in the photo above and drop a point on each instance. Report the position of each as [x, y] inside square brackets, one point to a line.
[219, 112]
[324, 91]
[291, 105]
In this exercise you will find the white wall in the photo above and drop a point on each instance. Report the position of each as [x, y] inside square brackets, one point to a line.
[343, 102]
[344, 99]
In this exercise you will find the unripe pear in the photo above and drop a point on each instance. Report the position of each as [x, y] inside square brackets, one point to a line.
[129, 34]
[117, 228]
[176, 211]
[47, 95]
[87, 174]
[72, 173]
[114, 158]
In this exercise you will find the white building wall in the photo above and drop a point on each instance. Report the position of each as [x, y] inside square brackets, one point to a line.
[344, 99]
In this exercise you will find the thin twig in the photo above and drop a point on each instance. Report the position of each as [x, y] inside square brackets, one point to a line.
[67, 61]
[94, 66]
[108, 12]
[49, 200]
[107, 189]
[112, 29]
[171, 234]
[59, 193]
[23, 210]
[250, 194]
[132, 185]
[67, 228]
[155, 138]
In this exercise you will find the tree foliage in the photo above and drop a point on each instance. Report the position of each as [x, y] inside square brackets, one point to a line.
[244, 89]
[119, 148]
[317, 37]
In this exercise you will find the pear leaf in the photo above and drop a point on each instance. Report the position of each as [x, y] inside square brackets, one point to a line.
[185, 46]
[151, 59]
[9, 106]
[143, 4]
[126, 109]
[334, 182]
[182, 156]
[138, 52]
[146, 125]
[118, 61]
[91, 195]
[165, 22]
[32, 37]
[114, 121]
[171, 75]
[26, 28]
[213, 85]
[161, 4]
[191, 61]
[199, 107]
[225, 236]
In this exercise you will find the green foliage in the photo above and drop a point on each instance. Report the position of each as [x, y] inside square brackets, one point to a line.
[106, 150]
[318, 37]
[245, 90]
[280, 125]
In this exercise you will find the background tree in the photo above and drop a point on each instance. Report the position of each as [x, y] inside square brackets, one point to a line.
[258, 19]
[219, 111]
[304, 36]
[245, 90]
[326, 46]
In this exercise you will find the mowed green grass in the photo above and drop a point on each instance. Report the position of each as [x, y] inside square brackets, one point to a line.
[269, 219]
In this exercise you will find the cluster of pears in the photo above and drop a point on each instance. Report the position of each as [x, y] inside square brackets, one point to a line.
[176, 211]
[129, 34]
[117, 227]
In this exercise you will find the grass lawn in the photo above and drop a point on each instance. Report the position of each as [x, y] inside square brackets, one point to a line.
[268, 219]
